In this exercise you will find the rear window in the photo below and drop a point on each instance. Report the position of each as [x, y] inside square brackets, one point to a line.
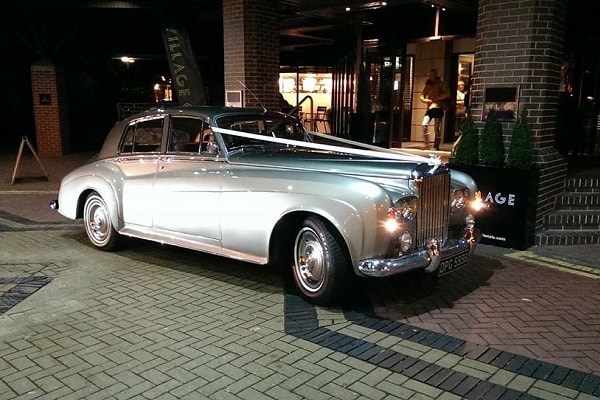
[144, 136]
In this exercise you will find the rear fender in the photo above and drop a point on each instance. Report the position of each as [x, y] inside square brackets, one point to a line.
[72, 198]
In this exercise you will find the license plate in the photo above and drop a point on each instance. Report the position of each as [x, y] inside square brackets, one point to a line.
[453, 263]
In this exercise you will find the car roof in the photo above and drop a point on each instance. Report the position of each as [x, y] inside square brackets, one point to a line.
[211, 112]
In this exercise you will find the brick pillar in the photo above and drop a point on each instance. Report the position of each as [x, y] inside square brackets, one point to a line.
[251, 42]
[49, 110]
[520, 42]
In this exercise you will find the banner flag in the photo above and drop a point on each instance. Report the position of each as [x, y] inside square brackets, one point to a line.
[187, 84]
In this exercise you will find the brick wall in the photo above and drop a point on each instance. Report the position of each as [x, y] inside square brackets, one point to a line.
[251, 47]
[49, 110]
[520, 42]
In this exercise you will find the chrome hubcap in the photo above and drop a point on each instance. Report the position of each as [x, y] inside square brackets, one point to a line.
[98, 225]
[310, 263]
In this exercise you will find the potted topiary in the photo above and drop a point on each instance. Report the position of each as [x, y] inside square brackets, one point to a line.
[466, 149]
[520, 151]
[509, 190]
[492, 144]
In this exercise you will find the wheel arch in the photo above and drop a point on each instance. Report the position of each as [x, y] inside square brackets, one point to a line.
[107, 193]
[285, 229]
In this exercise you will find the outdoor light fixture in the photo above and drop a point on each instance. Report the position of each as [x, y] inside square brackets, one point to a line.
[436, 35]
[373, 5]
[433, 5]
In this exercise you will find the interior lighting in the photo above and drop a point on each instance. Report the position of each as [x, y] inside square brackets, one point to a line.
[309, 84]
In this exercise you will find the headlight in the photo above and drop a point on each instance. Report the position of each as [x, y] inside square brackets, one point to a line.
[459, 198]
[406, 209]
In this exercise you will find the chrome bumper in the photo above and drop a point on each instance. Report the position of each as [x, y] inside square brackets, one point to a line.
[427, 259]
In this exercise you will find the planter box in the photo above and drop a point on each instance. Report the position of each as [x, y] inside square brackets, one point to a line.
[511, 199]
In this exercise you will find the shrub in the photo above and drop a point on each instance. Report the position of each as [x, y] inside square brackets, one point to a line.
[467, 150]
[492, 145]
[520, 151]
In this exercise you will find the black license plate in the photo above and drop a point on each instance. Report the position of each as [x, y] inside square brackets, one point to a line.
[453, 263]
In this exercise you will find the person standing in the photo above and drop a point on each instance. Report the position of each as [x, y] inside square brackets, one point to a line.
[434, 92]
[461, 99]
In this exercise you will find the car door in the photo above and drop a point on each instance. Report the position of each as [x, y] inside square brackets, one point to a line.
[139, 152]
[187, 185]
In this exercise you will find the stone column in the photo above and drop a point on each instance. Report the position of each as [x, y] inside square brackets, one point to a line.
[49, 110]
[251, 42]
[520, 43]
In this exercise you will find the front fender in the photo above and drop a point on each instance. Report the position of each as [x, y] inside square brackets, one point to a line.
[356, 214]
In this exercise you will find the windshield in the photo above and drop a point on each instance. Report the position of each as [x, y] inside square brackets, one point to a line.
[278, 126]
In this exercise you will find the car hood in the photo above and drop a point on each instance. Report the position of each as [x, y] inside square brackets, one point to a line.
[389, 173]
[327, 162]
[369, 168]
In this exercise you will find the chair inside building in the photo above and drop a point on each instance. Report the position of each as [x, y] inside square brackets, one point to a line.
[318, 121]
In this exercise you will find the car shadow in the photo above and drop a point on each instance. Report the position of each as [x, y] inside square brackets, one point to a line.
[412, 294]
[243, 274]
[408, 295]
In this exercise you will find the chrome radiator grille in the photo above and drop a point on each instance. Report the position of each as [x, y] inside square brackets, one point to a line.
[434, 206]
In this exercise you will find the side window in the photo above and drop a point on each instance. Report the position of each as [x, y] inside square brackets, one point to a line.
[143, 136]
[191, 135]
[186, 134]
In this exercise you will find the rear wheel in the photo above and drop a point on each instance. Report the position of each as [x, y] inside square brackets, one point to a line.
[98, 225]
[321, 266]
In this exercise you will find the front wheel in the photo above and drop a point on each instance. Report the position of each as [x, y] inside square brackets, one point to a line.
[98, 225]
[321, 265]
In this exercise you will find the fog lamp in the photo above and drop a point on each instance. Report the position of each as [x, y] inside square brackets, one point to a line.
[405, 241]
[469, 222]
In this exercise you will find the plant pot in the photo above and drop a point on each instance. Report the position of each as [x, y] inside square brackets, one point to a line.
[510, 196]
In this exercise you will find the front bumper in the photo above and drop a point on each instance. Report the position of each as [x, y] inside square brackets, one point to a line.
[427, 259]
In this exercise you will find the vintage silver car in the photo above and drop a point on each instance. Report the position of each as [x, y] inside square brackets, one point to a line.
[256, 186]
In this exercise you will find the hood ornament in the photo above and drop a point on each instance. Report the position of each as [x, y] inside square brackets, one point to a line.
[434, 159]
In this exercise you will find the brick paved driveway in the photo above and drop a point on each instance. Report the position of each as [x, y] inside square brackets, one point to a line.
[158, 322]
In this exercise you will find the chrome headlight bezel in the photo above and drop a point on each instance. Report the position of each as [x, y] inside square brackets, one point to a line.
[406, 209]
[459, 198]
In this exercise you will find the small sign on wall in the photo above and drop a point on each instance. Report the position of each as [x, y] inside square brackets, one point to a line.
[504, 100]
[45, 99]
[234, 98]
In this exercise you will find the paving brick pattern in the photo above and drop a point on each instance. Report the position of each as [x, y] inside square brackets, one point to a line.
[154, 321]
[531, 310]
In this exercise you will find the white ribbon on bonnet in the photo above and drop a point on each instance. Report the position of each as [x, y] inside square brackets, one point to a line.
[368, 150]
